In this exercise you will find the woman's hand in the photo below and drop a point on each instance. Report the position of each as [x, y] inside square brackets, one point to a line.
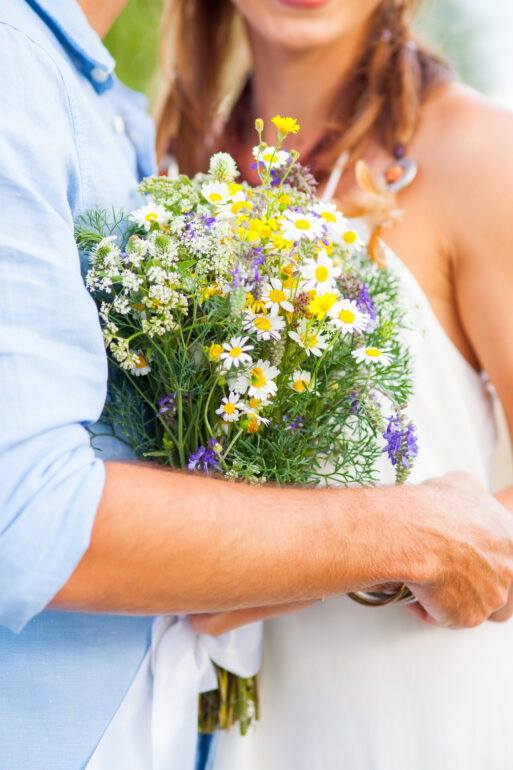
[217, 623]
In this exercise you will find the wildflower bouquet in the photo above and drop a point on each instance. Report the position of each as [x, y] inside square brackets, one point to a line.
[250, 336]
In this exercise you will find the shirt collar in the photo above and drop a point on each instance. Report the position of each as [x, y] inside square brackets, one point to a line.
[68, 23]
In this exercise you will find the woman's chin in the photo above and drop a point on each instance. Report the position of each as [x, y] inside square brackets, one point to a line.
[305, 4]
[304, 24]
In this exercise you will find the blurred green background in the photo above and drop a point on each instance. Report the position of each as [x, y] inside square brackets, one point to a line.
[133, 41]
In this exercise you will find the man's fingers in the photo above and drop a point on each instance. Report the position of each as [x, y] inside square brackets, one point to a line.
[419, 612]
[504, 613]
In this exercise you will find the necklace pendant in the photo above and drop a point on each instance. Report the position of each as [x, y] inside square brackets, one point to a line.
[400, 174]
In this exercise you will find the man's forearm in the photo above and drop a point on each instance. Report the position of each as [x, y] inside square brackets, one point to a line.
[171, 542]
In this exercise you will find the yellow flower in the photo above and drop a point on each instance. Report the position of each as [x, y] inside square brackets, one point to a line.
[252, 427]
[256, 229]
[287, 276]
[286, 125]
[215, 351]
[208, 292]
[256, 306]
[284, 199]
[235, 188]
[321, 306]
[280, 244]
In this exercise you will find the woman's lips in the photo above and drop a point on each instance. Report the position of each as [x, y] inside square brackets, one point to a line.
[305, 3]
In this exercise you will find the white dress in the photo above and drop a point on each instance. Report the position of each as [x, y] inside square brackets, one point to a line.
[346, 687]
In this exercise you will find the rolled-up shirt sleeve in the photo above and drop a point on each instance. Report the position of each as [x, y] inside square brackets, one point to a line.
[53, 369]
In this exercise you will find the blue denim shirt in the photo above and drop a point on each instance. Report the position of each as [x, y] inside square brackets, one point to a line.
[72, 137]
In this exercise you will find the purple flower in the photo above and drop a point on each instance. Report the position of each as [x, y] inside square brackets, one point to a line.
[291, 423]
[365, 303]
[401, 441]
[353, 398]
[167, 404]
[412, 448]
[257, 262]
[208, 221]
[236, 276]
[204, 458]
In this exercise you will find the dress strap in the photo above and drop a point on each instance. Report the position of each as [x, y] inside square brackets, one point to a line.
[334, 177]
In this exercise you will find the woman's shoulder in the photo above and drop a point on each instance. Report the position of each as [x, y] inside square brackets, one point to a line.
[463, 135]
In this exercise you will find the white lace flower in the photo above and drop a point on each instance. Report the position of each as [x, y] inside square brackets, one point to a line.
[236, 352]
[266, 327]
[296, 225]
[230, 408]
[347, 316]
[150, 214]
[320, 273]
[130, 281]
[276, 296]
[372, 356]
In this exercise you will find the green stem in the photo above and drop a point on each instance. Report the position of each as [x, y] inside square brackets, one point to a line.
[234, 440]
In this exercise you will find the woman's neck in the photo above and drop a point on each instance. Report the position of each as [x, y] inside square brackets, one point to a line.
[290, 83]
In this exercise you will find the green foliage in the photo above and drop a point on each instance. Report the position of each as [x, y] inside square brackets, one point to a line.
[133, 42]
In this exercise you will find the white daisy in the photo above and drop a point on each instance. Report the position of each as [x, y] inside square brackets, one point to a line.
[308, 339]
[301, 381]
[372, 356]
[335, 222]
[266, 326]
[346, 315]
[276, 296]
[217, 193]
[236, 352]
[234, 207]
[141, 364]
[254, 416]
[230, 408]
[262, 380]
[240, 381]
[271, 157]
[296, 225]
[351, 241]
[320, 273]
[150, 214]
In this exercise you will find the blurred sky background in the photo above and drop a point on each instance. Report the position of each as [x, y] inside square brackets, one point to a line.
[476, 35]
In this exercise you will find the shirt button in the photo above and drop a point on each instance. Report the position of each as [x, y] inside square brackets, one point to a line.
[99, 75]
[118, 124]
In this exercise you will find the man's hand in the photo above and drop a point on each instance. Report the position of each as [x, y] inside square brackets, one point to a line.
[167, 542]
[471, 541]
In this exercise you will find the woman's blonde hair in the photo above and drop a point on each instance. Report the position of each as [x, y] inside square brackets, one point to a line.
[206, 63]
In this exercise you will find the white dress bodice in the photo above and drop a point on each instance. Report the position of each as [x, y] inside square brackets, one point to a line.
[346, 687]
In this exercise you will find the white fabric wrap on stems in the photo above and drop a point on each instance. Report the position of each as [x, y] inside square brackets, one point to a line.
[156, 725]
